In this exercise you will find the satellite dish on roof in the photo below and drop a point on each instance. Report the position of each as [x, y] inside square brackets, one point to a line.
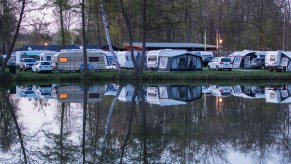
[29, 48]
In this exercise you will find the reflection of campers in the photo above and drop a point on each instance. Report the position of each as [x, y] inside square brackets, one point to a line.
[278, 95]
[75, 94]
[278, 60]
[172, 94]
[73, 61]
[125, 61]
[180, 61]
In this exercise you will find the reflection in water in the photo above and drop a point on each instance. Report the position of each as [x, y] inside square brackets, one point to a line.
[147, 124]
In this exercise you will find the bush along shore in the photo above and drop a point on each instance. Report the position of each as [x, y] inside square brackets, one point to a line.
[129, 75]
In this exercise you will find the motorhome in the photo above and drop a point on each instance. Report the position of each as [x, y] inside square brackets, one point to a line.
[28, 54]
[47, 56]
[278, 60]
[124, 58]
[73, 61]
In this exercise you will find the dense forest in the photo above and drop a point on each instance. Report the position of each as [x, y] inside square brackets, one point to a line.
[242, 24]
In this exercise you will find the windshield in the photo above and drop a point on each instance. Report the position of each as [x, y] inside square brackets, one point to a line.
[29, 60]
[45, 63]
[152, 58]
[225, 60]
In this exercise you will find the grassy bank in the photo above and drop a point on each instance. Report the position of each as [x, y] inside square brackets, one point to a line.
[129, 75]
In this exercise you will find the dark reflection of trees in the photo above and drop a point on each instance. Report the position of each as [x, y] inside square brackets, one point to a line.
[59, 147]
[10, 126]
[196, 132]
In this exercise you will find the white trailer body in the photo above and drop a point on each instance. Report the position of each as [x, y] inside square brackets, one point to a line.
[73, 61]
[124, 58]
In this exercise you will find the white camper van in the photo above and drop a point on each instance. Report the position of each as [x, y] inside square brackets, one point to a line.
[73, 61]
[29, 54]
[47, 56]
[278, 60]
[124, 58]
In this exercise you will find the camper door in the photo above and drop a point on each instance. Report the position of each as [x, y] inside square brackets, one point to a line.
[236, 62]
[247, 62]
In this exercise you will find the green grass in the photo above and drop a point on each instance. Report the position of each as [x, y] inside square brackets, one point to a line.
[235, 76]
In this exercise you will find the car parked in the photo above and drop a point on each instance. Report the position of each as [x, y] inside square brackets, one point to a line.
[258, 63]
[42, 66]
[219, 63]
[26, 63]
[220, 91]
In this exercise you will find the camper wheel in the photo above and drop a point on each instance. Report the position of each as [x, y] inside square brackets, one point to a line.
[217, 68]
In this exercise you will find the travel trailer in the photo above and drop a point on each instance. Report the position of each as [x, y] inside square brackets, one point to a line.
[124, 58]
[73, 61]
[205, 54]
[152, 59]
[180, 61]
[47, 56]
[242, 59]
[278, 60]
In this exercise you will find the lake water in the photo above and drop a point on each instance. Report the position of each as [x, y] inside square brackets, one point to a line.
[112, 123]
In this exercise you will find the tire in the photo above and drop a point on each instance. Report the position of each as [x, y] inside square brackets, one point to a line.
[229, 69]
[209, 68]
[262, 67]
[217, 68]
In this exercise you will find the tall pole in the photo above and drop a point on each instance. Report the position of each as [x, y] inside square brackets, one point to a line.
[284, 26]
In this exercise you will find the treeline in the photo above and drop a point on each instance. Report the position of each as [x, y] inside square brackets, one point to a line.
[242, 24]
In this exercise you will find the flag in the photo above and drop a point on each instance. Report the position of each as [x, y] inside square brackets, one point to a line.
[217, 39]
[205, 40]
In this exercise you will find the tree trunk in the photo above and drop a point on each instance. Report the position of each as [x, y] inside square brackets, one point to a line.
[84, 36]
[11, 48]
[129, 28]
[144, 36]
[104, 18]
[62, 24]
[12, 112]
[85, 103]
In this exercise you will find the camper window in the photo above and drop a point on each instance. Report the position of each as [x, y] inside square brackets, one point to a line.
[63, 60]
[93, 59]
[152, 58]
[48, 58]
[272, 58]
[64, 96]
[94, 95]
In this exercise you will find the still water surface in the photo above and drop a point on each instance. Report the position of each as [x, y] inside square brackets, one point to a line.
[145, 124]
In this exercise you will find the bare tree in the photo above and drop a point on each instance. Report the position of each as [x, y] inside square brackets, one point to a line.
[23, 4]
[104, 18]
